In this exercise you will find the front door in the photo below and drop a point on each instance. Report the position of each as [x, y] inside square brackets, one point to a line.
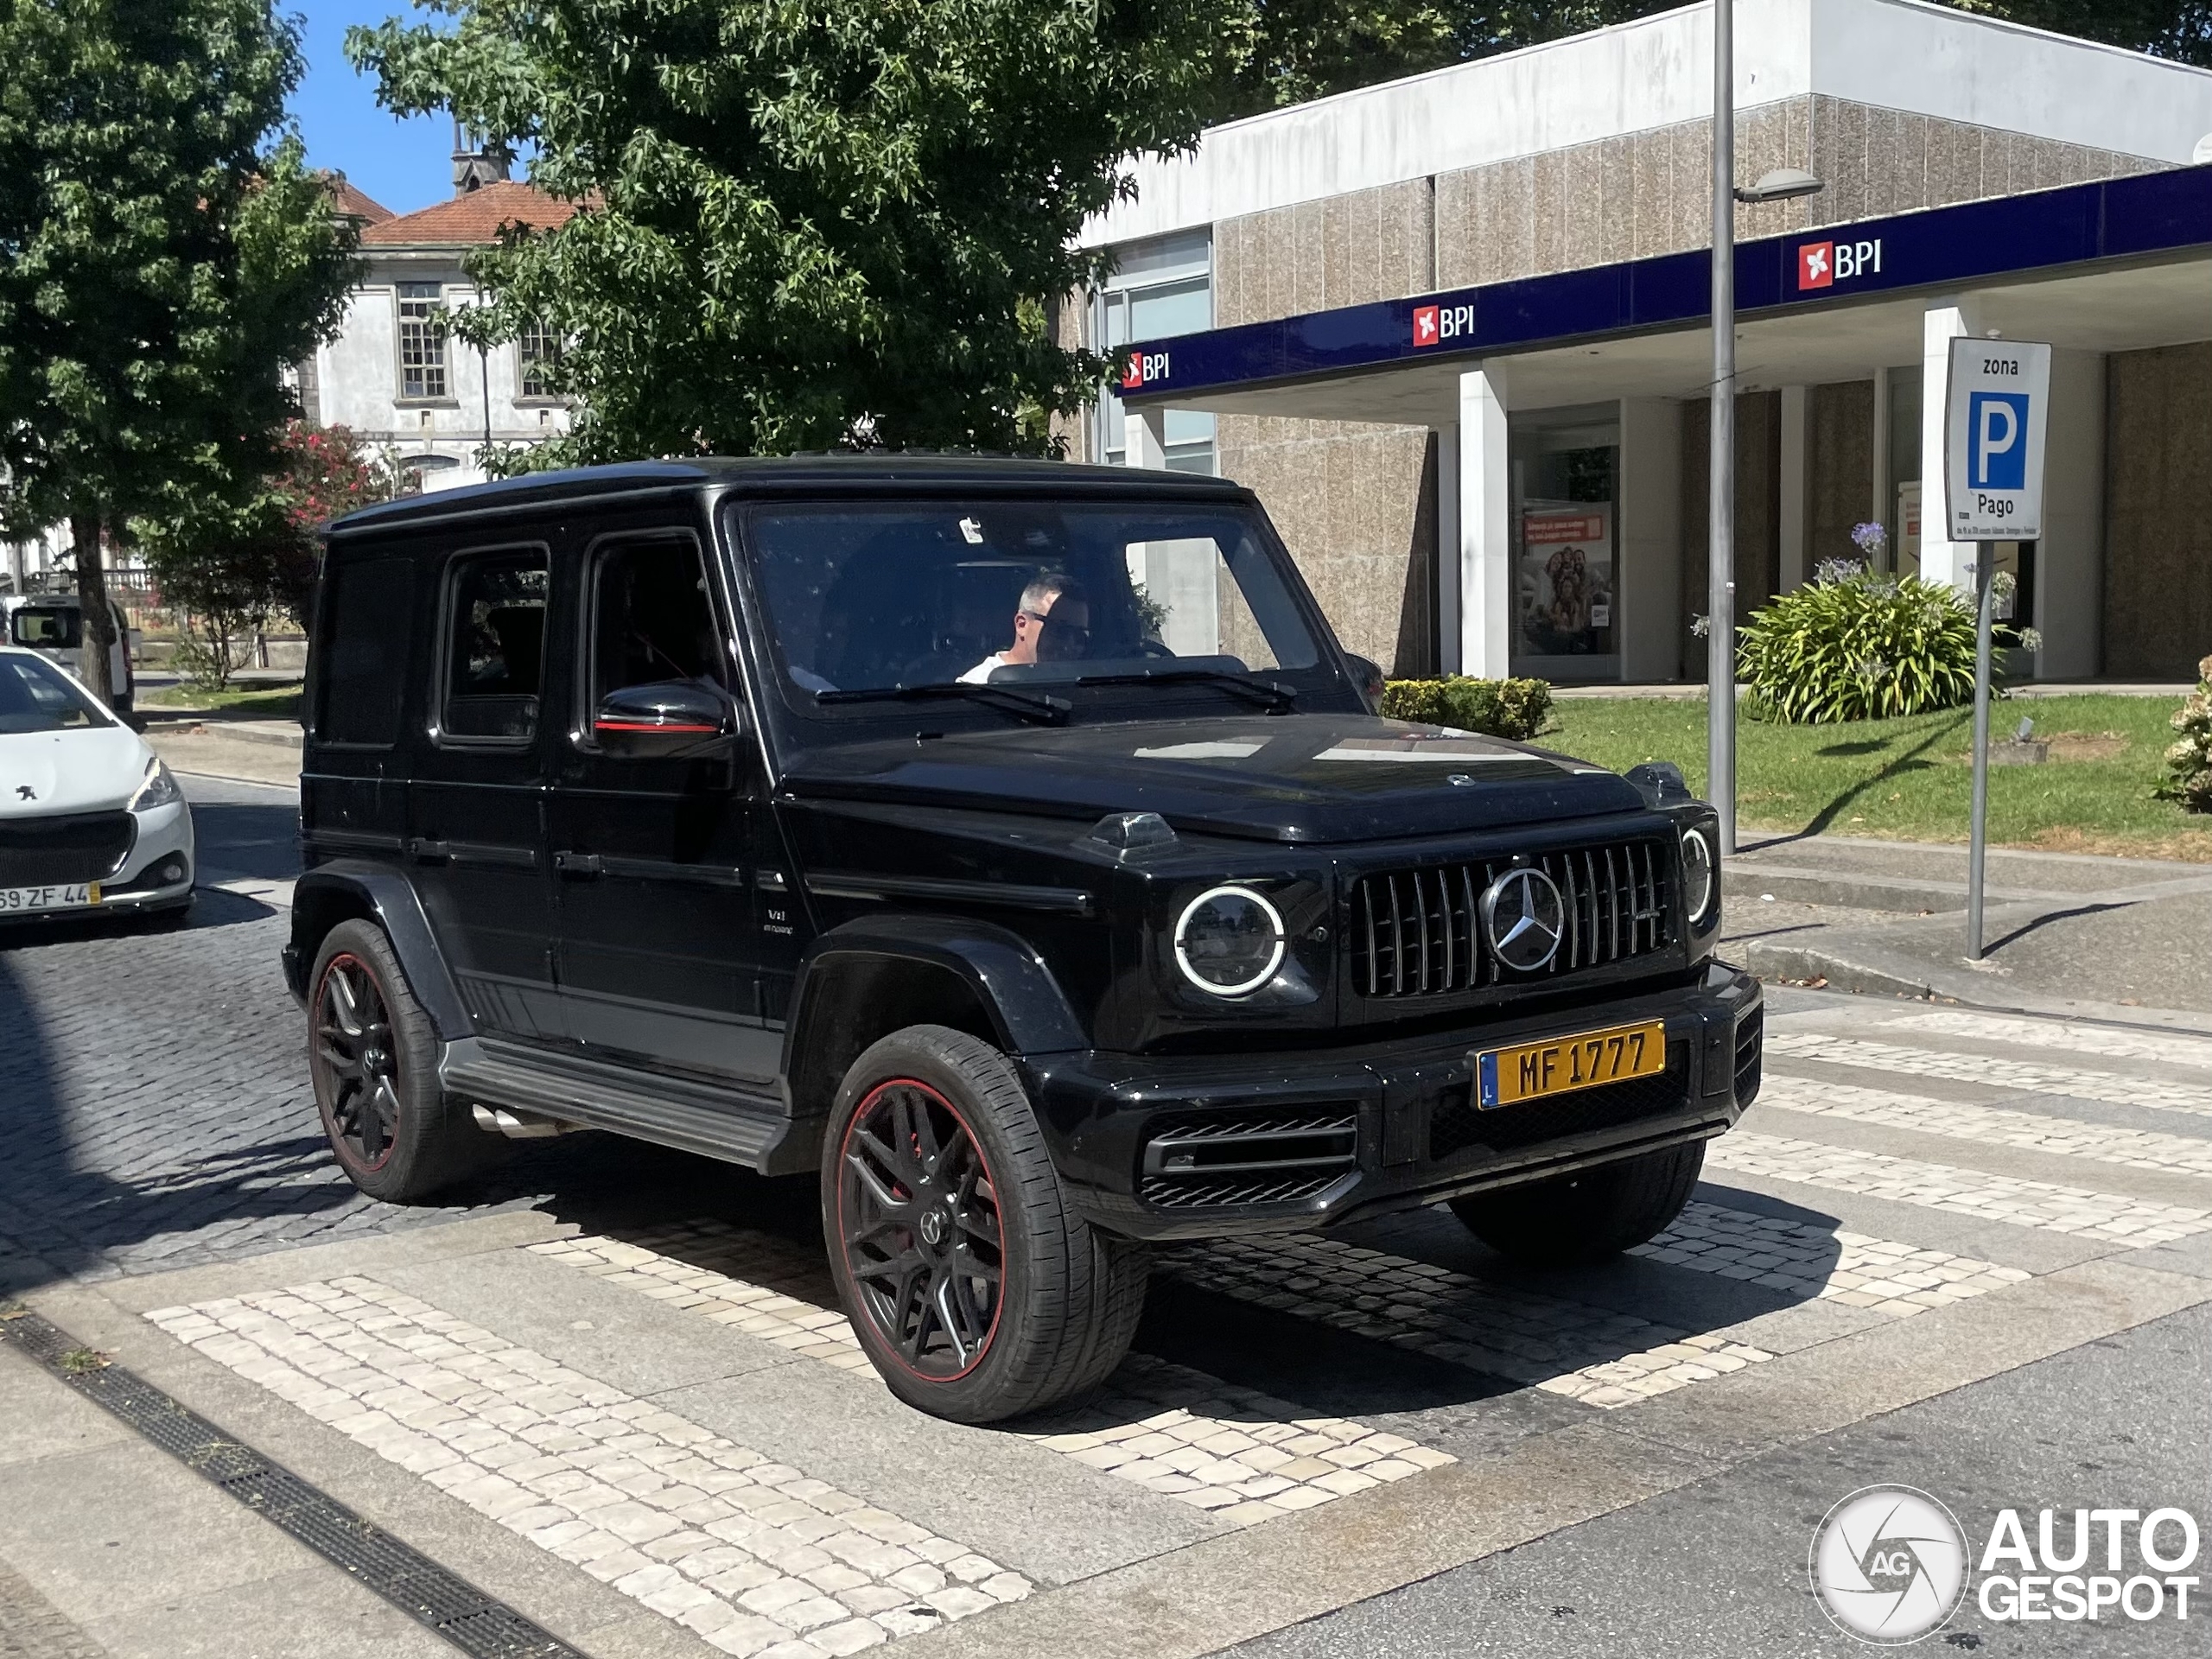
[653, 855]
[476, 805]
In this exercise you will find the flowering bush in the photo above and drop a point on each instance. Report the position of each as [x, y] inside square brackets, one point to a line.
[1850, 644]
[2189, 762]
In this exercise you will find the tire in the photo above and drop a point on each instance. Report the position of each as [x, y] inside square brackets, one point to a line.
[931, 1150]
[1573, 1220]
[373, 1058]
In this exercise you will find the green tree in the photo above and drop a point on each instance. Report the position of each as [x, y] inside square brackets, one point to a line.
[164, 252]
[807, 223]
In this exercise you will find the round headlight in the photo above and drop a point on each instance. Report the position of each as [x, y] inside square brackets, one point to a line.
[1701, 878]
[1229, 941]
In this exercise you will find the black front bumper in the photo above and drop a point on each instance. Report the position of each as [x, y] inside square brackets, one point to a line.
[1304, 1140]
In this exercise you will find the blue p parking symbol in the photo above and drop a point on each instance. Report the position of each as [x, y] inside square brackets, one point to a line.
[1997, 427]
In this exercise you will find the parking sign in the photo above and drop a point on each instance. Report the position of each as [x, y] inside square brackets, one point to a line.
[1995, 418]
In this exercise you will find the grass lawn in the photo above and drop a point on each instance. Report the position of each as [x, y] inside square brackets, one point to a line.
[1912, 779]
[242, 703]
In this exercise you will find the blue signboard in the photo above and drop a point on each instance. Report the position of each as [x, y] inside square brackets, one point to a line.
[2131, 218]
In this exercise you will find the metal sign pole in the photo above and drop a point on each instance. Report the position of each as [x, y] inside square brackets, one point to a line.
[1720, 568]
[1985, 560]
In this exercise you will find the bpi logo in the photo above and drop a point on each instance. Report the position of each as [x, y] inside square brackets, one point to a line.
[1142, 369]
[1434, 324]
[1823, 265]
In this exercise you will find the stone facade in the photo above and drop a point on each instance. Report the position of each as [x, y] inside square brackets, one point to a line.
[2157, 589]
[1351, 500]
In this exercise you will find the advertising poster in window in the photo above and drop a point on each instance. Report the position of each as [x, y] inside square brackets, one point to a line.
[1565, 589]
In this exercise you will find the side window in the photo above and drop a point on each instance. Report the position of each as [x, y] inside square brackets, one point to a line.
[371, 607]
[495, 645]
[652, 618]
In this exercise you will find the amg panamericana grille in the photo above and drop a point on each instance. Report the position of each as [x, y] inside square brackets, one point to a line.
[1417, 932]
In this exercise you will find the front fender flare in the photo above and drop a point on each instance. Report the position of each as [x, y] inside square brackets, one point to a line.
[331, 892]
[1028, 1011]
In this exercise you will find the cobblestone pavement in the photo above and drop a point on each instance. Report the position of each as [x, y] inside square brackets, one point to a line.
[727, 1466]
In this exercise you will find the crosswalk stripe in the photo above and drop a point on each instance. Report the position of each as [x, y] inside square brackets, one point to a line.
[746, 1552]
[1885, 1275]
[1246, 1456]
[1995, 1073]
[1939, 1186]
[1991, 1125]
[2165, 1047]
[1594, 1355]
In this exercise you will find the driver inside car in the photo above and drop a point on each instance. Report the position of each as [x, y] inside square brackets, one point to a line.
[1053, 625]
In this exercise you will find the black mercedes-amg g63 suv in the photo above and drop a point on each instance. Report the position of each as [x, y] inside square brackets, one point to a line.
[1012, 843]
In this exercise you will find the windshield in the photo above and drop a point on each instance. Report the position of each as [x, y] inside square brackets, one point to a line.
[35, 698]
[1037, 600]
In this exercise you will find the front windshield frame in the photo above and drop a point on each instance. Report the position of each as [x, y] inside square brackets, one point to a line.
[1326, 685]
[33, 667]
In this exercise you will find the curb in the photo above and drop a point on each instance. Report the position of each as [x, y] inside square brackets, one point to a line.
[1795, 962]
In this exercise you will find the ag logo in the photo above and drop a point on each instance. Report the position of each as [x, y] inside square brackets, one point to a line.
[25, 792]
[1524, 918]
[1889, 1563]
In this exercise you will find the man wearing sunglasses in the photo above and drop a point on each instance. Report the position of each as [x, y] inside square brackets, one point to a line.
[1053, 625]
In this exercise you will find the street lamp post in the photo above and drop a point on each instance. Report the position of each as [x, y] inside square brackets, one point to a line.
[1721, 567]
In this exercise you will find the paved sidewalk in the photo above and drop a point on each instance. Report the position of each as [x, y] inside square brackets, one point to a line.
[2063, 933]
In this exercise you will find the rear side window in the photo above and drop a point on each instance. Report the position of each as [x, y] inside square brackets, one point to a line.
[46, 627]
[495, 645]
[370, 606]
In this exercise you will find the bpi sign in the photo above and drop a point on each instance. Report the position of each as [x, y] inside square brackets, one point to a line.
[1434, 324]
[1141, 369]
[1823, 265]
[1993, 419]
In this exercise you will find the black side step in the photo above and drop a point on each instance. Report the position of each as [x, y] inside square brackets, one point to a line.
[725, 1123]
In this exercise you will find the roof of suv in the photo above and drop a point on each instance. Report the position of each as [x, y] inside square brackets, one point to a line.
[767, 473]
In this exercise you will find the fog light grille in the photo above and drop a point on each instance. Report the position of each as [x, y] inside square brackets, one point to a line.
[1249, 1158]
[1750, 1048]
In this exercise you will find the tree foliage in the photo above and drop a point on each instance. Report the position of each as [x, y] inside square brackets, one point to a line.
[163, 252]
[1287, 51]
[807, 222]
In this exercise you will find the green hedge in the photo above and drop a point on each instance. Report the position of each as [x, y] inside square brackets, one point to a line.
[1509, 709]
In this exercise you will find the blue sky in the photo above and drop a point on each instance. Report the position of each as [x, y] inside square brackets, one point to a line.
[402, 164]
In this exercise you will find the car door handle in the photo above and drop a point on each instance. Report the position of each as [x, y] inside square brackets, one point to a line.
[429, 851]
[578, 863]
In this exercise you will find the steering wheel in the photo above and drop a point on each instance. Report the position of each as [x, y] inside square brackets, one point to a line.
[1148, 646]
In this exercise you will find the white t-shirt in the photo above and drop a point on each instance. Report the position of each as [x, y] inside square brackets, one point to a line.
[981, 673]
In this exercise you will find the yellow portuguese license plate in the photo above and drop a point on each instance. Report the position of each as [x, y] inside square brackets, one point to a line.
[1558, 1065]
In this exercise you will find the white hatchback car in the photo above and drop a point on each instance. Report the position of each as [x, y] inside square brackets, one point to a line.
[90, 818]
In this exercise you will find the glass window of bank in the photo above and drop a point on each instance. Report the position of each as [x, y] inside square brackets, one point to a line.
[1159, 288]
[1566, 543]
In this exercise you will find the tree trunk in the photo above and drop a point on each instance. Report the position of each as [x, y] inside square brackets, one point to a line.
[91, 596]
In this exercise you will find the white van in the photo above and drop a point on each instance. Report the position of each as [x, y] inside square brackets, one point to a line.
[52, 625]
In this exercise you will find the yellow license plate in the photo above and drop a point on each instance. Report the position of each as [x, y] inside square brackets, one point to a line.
[1560, 1065]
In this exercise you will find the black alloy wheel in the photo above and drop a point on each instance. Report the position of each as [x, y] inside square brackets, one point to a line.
[355, 1063]
[918, 1221]
[373, 1054]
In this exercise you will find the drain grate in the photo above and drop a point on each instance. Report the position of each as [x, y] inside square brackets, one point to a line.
[411, 1581]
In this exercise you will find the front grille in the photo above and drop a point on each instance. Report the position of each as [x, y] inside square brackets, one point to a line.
[66, 847]
[1249, 1158]
[1456, 1125]
[1749, 1049]
[1419, 932]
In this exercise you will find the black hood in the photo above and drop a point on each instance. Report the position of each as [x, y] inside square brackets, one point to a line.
[1298, 778]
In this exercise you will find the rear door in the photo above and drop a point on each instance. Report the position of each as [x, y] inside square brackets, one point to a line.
[658, 937]
[476, 805]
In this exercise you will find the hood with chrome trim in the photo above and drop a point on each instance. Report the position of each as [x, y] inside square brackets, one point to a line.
[87, 771]
[1293, 777]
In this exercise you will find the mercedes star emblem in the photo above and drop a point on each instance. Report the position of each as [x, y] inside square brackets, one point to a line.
[1524, 918]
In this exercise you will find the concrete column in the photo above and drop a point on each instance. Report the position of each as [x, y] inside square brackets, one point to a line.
[1447, 549]
[1790, 489]
[1146, 432]
[2070, 557]
[1648, 582]
[1485, 525]
[1941, 559]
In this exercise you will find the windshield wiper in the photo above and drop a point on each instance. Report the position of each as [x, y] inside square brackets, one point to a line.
[1042, 711]
[1277, 698]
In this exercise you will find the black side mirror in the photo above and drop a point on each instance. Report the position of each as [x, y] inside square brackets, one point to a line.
[1367, 675]
[664, 720]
